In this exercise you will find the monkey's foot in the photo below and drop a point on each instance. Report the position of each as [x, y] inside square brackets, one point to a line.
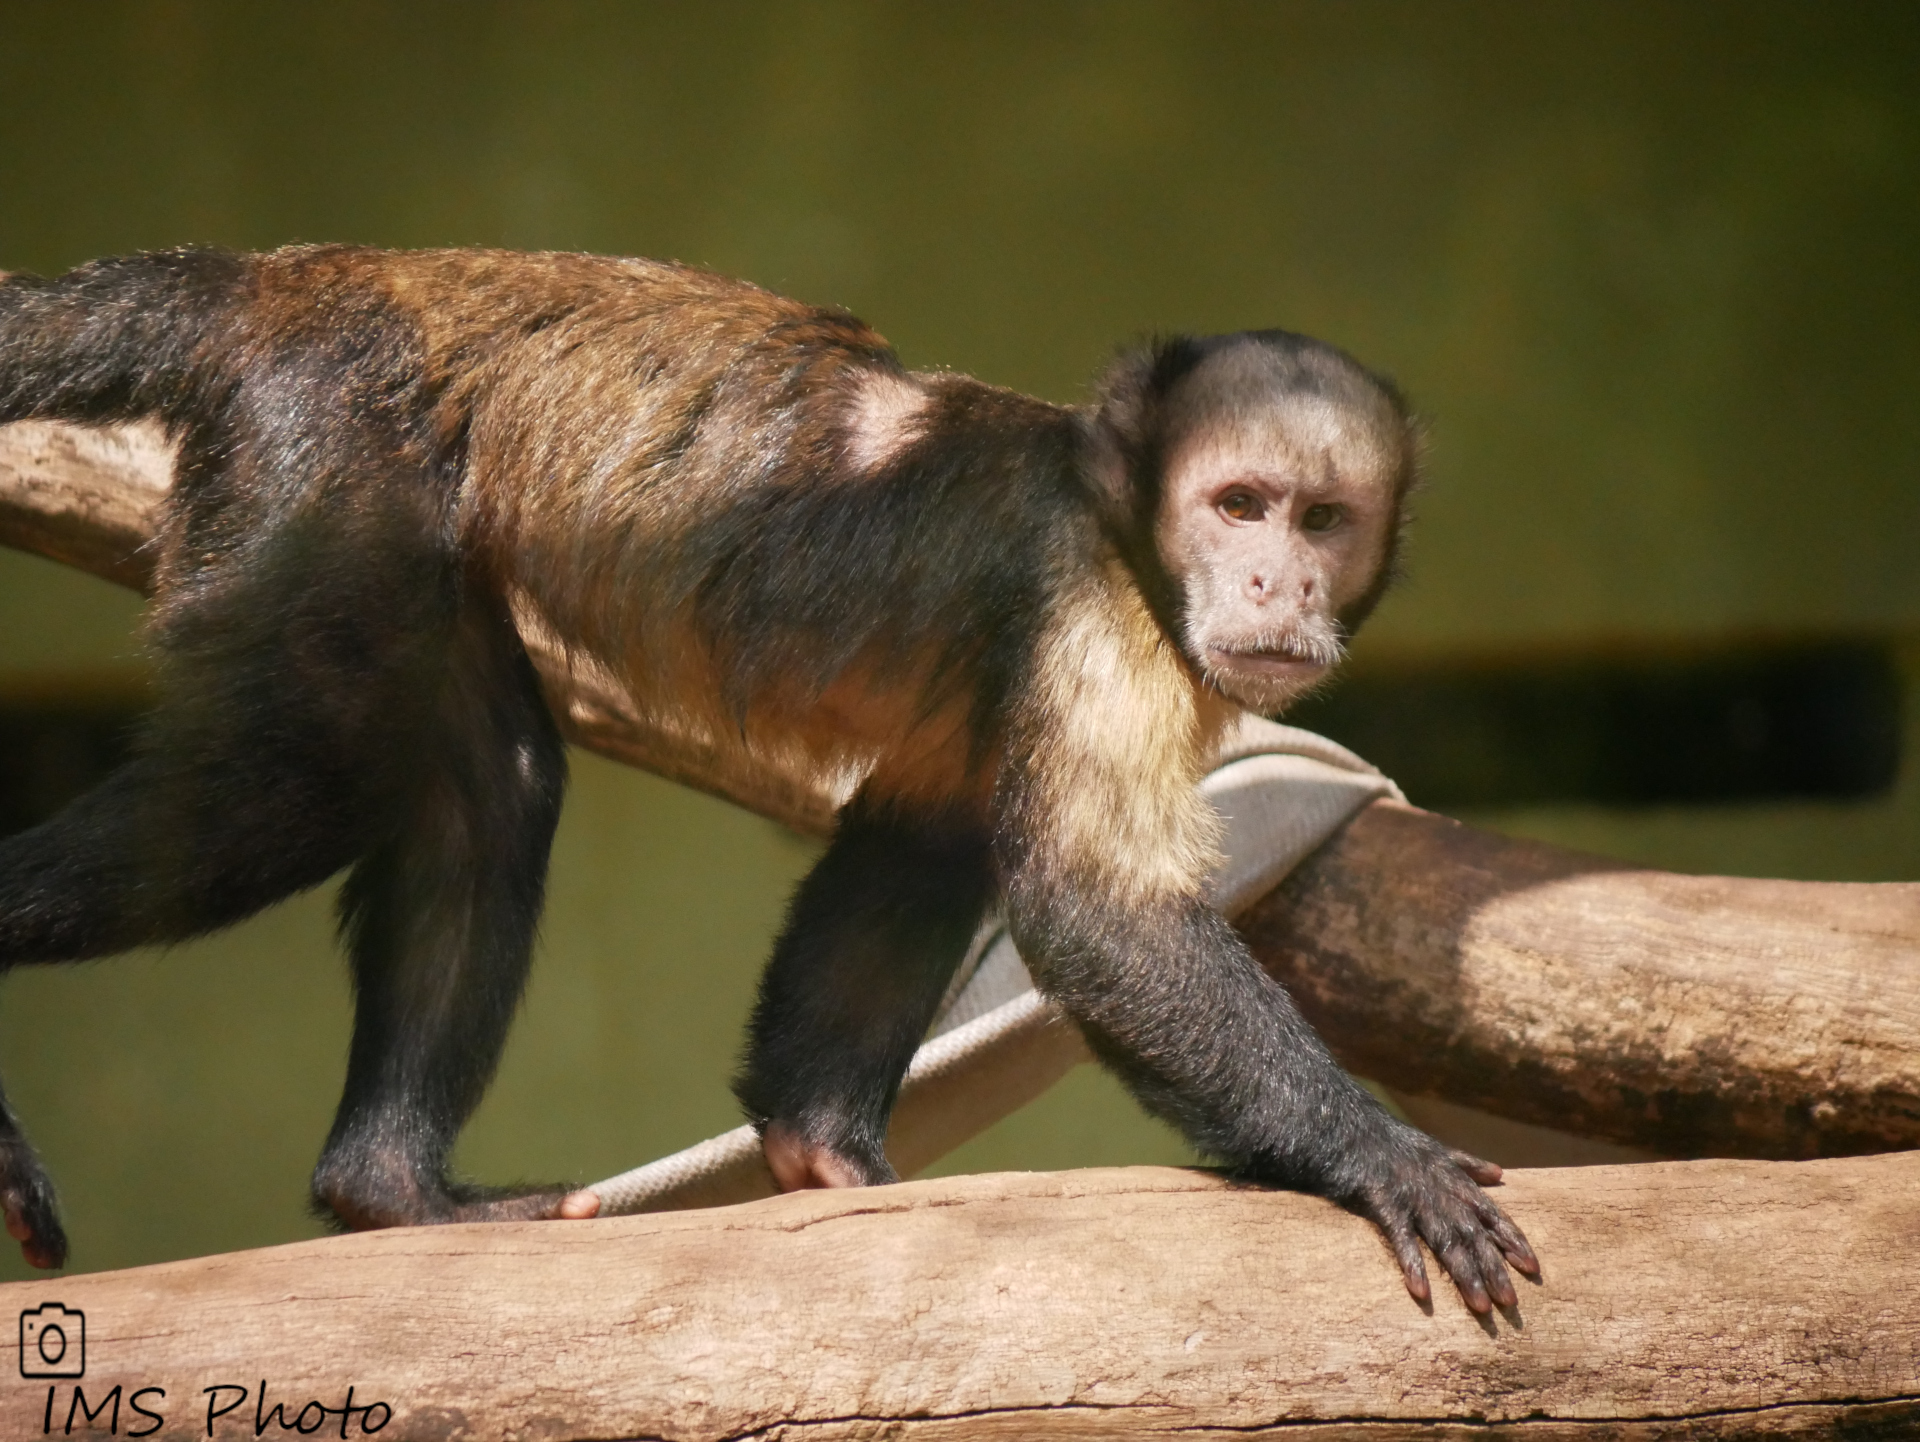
[799, 1164]
[540, 1206]
[26, 1197]
[457, 1203]
[1433, 1195]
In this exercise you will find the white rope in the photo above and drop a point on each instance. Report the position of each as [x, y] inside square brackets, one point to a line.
[997, 1043]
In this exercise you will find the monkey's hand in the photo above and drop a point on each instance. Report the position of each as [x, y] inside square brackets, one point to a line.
[1418, 1190]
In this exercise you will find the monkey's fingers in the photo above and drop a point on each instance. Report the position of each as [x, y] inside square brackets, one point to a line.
[1459, 1225]
[1511, 1241]
[1484, 1172]
[1474, 1263]
[1462, 1262]
[1493, 1272]
[1502, 1231]
[1406, 1251]
[470, 1202]
[1508, 1237]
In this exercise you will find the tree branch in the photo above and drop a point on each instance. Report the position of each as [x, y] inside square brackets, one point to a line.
[1691, 1015]
[1682, 1300]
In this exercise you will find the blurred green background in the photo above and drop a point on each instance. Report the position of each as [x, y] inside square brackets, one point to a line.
[1652, 271]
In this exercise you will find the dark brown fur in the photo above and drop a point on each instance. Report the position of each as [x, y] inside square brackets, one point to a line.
[784, 544]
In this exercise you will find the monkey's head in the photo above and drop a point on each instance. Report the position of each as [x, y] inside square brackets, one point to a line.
[1256, 483]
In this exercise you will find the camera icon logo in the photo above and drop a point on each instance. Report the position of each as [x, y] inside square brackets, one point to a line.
[53, 1341]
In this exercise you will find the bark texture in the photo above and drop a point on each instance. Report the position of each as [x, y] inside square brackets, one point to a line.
[1691, 1015]
[89, 497]
[1682, 1300]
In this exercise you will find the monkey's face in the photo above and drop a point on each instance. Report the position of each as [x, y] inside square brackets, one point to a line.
[1278, 507]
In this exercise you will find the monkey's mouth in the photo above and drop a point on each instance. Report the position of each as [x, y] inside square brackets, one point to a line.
[1285, 661]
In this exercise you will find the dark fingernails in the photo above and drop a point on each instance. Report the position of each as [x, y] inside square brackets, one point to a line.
[1501, 1286]
[1464, 1268]
[1514, 1244]
[1406, 1251]
[1414, 1269]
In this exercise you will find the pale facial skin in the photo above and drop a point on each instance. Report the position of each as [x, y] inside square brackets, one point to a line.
[1277, 506]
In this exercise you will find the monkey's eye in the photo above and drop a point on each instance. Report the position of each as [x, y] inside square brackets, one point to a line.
[1322, 517]
[1241, 506]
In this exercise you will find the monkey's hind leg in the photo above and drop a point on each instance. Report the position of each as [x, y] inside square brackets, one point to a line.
[26, 1195]
[872, 938]
[439, 917]
[229, 804]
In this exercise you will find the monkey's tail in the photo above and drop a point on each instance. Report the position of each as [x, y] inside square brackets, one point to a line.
[120, 339]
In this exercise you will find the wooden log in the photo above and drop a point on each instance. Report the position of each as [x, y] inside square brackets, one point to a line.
[1681, 1300]
[87, 496]
[1691, 1015]
[1687, 1015]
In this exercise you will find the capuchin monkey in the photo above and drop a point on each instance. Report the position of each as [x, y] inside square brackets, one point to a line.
[1023, 627]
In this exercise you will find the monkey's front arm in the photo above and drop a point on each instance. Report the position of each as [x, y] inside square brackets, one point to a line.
[1171, 1000]
[872, 938]
[1102, 845]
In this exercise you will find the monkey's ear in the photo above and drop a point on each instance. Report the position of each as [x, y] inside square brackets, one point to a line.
[1125, 426]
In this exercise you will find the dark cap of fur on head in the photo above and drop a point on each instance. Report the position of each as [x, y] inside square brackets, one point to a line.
[1125, 432]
